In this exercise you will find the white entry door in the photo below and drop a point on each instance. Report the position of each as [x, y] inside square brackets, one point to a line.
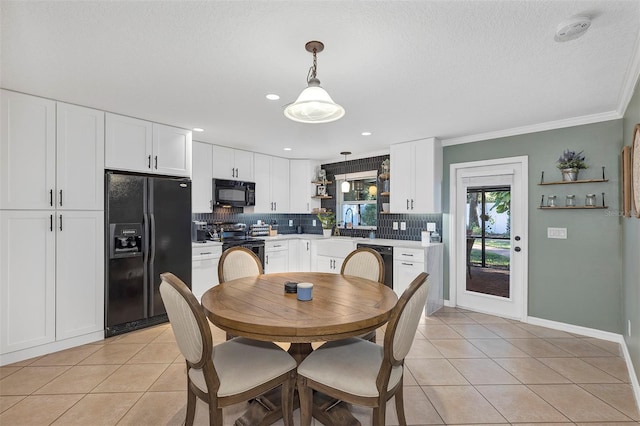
[489, 236]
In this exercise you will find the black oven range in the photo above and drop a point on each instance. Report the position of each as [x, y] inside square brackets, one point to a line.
[236, 234]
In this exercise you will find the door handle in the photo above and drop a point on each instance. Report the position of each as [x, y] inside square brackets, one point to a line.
[233, 172]
[517, 238]
[51, 222]
[412, 204]
[149, 162]
[275, 206]
[61, 197]
[518, 249]
[266, 258]
[156, 162]
[237, 174]
[407, 264]
[61, 222]
[51, 197]
[407, 204]
[307, 246]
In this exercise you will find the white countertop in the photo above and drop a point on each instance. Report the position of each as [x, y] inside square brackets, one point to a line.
[356, 240]
[200, 244]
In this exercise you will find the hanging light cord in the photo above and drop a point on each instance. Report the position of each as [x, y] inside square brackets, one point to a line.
[314, 68]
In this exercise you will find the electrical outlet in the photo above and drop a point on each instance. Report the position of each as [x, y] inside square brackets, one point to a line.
[431, 226]
[403, 226]
[558, 233]
[395, 226]
[290, 222]
[313, 222]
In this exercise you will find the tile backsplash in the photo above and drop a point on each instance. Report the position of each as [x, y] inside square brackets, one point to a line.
[415, 222]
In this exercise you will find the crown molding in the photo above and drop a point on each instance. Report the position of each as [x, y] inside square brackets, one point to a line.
[541, 127]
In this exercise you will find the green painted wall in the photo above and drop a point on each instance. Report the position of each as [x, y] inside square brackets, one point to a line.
[578, 280]
[631, 252]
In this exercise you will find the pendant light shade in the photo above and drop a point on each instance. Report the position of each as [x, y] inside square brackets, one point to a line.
[345, 186]
[314, 105]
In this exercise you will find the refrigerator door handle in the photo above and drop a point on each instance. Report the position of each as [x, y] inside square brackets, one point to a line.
[152, 234]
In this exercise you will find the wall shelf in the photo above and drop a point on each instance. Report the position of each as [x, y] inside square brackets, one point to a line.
[573, 208]
[322, 197]
[320, 182]
[562, 182]
[384, 176]
[385, 194]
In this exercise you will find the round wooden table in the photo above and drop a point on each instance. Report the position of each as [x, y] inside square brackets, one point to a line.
[258, 308]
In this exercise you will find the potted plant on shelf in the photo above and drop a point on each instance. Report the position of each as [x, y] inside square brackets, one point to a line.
[570, 163]
[327, 220]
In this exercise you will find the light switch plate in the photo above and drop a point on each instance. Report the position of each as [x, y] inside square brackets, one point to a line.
[395, 226]
[558, 233]
[403, 226]
[313, 222]
[290, 222]
[431, 226]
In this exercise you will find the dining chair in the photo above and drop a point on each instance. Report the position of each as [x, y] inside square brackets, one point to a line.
[365, 263]
[238, 262]
[231, 372]
[359, 372]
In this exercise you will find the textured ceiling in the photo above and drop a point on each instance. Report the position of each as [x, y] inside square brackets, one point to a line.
[403, 70]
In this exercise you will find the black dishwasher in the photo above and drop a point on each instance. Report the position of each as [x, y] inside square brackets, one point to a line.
[387, 258]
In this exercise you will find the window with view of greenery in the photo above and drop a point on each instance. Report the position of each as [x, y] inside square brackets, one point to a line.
[358, 208]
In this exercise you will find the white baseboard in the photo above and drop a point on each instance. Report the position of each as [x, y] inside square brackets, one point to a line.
[11, 357]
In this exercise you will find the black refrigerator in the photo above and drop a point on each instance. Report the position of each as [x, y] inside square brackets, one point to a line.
[148, 232]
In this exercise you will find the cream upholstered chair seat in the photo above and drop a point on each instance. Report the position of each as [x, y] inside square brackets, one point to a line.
[350, 365]
[243, 364]
[231, 372]
[360, 372]
[238, 262]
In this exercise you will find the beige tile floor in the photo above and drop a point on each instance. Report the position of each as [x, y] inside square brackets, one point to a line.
[463, 368]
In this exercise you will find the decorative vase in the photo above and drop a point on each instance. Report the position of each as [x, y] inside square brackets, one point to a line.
[569, 175]
[326, 232]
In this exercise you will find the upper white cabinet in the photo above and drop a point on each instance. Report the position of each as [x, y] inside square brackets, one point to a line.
[229, 163]
[202, 174]
[141, 146]
[272, 184]
[301, 174]
[416, 176]
[48, 162]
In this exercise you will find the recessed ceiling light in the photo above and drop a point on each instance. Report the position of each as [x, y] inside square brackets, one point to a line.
[198, 129]
[272, 97]
[287, 149]
[366, 133]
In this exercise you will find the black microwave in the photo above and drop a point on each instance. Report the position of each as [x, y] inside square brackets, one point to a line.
[233, 193]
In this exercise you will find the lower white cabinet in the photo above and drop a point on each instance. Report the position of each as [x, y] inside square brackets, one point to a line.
[204, 271]
[327, 255]
[407, 264]
[51, 276]
[276, 257]
[299, 255]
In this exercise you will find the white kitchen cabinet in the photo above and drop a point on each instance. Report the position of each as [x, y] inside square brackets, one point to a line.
[272, 184]
[202, 175]
[27, 279]
[416, 177]
[234, 164]
[171, 150]
[276, 257]
[79, 273]
[50, 160]
[327, 255]
[51, 276]
[407, 264]
[141, 146]
[204, 272]
[299, 255]
[301, 188]
[79, 158]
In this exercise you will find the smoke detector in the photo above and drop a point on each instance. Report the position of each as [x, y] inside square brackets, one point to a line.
[572, 28]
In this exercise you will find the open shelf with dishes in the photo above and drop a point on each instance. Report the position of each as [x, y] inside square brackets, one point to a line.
[321, 189]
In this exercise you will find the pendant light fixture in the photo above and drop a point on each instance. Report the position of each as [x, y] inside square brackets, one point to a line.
[345, 186]
[314, 105]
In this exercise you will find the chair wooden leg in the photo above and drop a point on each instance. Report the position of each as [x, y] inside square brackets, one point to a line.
[191, 406]
[287, 399]
[399, 397]
[379, 414]
[215, 415]
[306, 401]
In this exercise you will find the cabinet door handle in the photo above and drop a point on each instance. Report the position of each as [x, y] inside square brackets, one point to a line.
[266, 258]
[149, 163]
[412, 204]
[307, 246]
[407, 254]
[51, 222]
[407, 204]
[61, 222]
[407, 264]
[61, 197]
[237, 174]
[206, 252]
[275, 206]
[51, 197]
[211, 205]
[156, 161]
